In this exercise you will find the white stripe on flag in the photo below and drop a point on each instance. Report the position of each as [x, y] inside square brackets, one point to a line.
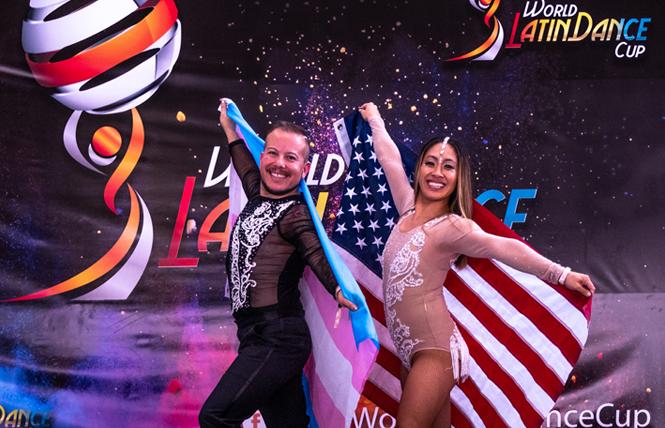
[369, 279]
[464, 405]
[495, 396]
[385, 381]
[541, 402]
[530, 334]
[569, 316]
[384, 337]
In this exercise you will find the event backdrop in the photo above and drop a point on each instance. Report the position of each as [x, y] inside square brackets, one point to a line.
[114, 177]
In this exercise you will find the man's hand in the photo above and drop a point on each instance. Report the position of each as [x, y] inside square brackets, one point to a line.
[226, 123]
[580, 282]
[368, 111]
[343, 301]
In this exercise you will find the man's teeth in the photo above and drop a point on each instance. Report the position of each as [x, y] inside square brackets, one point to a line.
[435, 185]
[277, 175]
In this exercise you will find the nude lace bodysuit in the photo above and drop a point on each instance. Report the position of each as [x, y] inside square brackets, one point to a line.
[417, 261]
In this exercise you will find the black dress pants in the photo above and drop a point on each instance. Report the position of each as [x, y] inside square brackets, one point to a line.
[266, 375]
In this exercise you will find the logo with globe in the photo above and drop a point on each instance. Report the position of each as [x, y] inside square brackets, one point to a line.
[104, 57]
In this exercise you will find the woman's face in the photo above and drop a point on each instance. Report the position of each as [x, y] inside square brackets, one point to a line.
[437, 175]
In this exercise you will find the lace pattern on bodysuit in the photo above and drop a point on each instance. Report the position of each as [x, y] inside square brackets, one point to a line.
[403, 273]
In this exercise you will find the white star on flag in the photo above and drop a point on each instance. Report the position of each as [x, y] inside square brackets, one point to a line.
[351, 192]
[358, 157]
[377, 241]
[358, 225]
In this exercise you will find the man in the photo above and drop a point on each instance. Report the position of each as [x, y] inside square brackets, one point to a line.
[271, 242]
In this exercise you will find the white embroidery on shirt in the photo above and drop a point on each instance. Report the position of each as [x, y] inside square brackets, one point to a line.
[251, 230]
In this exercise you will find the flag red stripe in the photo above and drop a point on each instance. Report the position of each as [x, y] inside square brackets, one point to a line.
[459, 419]
[481, 405]
[542, 374]
[491, 224]
[389, 361]
[375, 305]
[380, 398]
[506, 384]
[524, 302]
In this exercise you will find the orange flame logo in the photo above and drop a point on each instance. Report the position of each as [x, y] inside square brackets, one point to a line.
[488, 50]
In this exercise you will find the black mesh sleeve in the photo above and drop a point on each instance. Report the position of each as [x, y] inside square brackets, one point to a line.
[297, 228]
[244, 164]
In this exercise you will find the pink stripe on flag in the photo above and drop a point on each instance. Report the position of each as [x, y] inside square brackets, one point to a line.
[362, 358]
[327, 413]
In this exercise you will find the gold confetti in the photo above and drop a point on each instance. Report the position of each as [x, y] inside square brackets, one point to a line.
[332, 216]
[260, 108]
[414, 108]
[342, 49]
[190, 226]
[180, 116]
[648, 390]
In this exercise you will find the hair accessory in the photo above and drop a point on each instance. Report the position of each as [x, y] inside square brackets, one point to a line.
[443, 147]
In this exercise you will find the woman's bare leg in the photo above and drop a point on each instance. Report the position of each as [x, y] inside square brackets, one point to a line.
[426, 390]
[443, 418]
[403, 373]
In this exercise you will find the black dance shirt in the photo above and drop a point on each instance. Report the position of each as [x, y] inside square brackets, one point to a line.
[271, 243]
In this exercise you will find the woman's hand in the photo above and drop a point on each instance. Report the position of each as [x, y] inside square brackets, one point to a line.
[368, 111]
[226, 123]
[579, 282]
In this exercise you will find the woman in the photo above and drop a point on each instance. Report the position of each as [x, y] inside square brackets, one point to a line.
[434, 231]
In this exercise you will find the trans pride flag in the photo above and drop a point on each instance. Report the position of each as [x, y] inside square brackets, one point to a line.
[341, 357]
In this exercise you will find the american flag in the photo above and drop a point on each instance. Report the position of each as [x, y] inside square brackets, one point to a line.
[524, 336]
